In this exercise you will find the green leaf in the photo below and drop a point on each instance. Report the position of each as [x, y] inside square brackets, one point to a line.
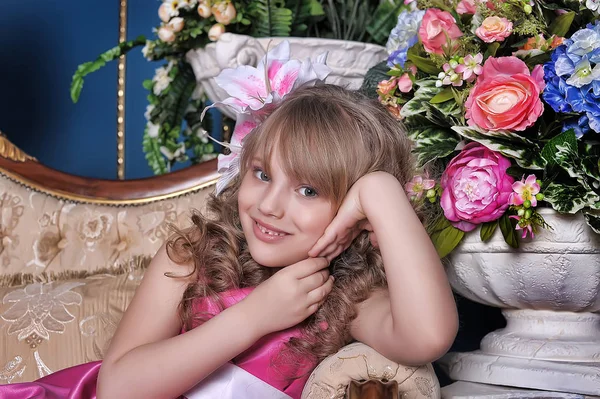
[304, 13]
[443, 96]
[507, 227]
[487, 230]
[372, 78]
[549, 151]
[383, 20]
[560, 26]
[431, 142]
[569, 198]
[446, 240]
[491, 49]
[418, 104]
[593, 220]
[522, 150]
[270, 18]
[148, 84]
[88, 67]
[155, 159]
[422, 63]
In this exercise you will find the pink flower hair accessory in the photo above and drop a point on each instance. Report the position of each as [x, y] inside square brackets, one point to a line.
[255, 92]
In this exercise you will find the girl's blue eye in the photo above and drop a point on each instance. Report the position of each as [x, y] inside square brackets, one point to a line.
[308, 192]
[261, 175]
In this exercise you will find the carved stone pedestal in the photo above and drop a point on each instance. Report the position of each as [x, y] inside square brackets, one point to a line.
[581, 378]
[470, 390]
[549, 290]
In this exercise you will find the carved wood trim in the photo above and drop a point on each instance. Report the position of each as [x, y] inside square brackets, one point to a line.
[109, 192]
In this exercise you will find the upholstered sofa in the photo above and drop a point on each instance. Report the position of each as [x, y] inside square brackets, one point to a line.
[73, 251]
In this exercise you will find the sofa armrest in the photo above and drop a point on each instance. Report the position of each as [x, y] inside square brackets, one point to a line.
[359, 362]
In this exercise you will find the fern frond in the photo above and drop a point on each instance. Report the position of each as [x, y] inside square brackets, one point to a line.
[270, 18]
[86, 68]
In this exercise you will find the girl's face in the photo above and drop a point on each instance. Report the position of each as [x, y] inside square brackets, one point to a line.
[281, 218]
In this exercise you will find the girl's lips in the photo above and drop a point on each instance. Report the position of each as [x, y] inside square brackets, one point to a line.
[268, 233]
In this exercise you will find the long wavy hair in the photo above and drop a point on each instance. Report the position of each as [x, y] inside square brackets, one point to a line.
[325, 136]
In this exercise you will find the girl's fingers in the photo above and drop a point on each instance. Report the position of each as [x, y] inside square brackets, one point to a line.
[320, 293]
[315, 280]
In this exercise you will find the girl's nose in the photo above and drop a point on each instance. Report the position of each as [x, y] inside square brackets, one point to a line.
[272, 203]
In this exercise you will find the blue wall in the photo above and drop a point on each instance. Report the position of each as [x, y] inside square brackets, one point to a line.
[41, 44]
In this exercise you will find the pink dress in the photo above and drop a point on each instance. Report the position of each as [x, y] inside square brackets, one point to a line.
[260, 360]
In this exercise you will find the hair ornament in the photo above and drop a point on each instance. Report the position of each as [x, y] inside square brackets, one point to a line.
[255, 92]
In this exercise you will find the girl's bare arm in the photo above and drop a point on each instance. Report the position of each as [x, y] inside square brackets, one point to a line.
[148, 358]
[415, 320]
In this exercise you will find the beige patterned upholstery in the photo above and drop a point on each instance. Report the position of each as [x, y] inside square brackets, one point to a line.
[42, 233]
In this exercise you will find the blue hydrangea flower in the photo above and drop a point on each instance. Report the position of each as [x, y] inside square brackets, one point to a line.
[403, 36]
[573, 80]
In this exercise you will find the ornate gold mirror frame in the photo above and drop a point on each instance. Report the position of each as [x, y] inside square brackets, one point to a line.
[121, 93]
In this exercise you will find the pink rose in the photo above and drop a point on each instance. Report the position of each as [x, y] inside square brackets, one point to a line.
[494, 29]
[506, 96]
[466, 7]
[386, 87]
[475, 187]
[437, 28]
[405, 83]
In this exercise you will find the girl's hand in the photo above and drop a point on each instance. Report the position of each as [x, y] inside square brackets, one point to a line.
[290, 295]
[349, 222]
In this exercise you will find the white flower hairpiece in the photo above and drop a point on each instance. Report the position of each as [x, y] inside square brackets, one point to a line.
[254, 93]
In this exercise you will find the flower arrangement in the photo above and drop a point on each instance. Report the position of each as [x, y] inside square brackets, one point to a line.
[503, 97]
[174, 131]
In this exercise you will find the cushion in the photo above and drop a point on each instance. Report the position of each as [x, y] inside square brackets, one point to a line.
[52, 321]
[360, 362]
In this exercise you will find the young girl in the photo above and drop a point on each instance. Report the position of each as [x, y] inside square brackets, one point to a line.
[312, 245]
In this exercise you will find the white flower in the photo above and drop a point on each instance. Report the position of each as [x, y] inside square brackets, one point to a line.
[166, 34]
[187, 4]
[592, 5]
[224, 12]
[176, 24]
[584, 73]
[216, 31]
[149, 109]
[147, 49]
[153, 130]
[202, 134]
[204, 10]
[167, 10]
[161, 79]
[179, 152]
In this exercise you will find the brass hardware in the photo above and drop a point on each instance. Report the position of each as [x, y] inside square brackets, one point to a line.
[10, 151]
[121, 93]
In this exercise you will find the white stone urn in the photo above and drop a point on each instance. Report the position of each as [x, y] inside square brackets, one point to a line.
[348, 60]
[549, 290]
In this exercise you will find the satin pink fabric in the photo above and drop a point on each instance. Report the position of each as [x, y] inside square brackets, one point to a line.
[260, 359]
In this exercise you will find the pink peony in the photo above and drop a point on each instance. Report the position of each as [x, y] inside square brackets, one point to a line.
[475, 187]
[494, 29]
[437, 28]
[506, 96]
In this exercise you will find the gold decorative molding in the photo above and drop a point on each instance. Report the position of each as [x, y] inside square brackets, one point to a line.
[121, 93]
[10, 151]
[73, 197]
